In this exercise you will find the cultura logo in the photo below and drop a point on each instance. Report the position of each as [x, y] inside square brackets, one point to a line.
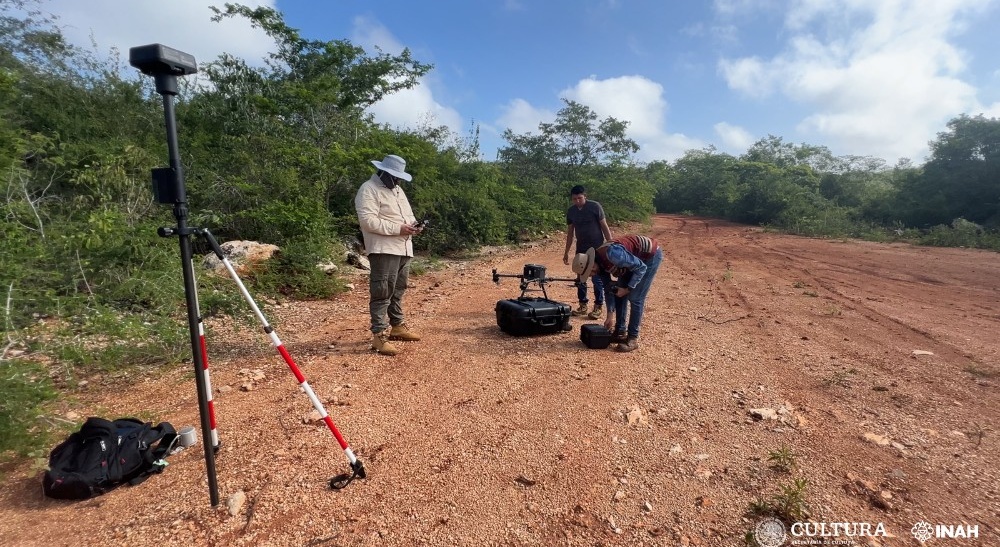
[770, 533]
[922, 531]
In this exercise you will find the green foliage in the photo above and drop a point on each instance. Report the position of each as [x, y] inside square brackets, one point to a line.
[961, 233]
[623, 191]
[570, 147]
[103, 339]
[24, 386]
[293, 271]
[305, 73]
[962, 177]
[789, 504]
[783, 459]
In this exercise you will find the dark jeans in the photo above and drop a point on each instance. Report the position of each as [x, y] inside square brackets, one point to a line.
[581, 291]
[387, 284]
[636, 299]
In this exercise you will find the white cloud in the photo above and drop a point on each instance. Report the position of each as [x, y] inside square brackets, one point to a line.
[416, 107]
[635, 99]
[738, 7]
[735, 139]
[748, 75]
[520, 117]
[668, 147]
[639, 101]
[632, 99]
[882, 80]
[370, 34]
[410, 108]
[184, 25]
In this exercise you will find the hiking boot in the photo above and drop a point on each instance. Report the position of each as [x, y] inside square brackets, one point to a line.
[596, 312]
[618, 337]
[380, 343]
[630, 344]
[582, 310]
[402, 332]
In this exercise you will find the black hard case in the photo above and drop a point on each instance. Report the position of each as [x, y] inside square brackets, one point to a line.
[526, 316]
[595, 336]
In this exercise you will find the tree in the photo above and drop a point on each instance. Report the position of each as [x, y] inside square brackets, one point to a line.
[575, 140]
[336, 73]
[702, 182]
[962, 178]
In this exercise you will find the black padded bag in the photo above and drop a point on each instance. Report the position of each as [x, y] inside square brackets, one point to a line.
[104, 454]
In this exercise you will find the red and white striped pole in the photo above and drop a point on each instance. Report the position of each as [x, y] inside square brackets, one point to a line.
[205, 374]
[357, 467]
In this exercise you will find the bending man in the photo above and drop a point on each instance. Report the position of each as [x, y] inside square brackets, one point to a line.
[633, 260]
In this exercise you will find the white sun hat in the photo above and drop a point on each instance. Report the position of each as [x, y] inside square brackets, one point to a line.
[394, 165]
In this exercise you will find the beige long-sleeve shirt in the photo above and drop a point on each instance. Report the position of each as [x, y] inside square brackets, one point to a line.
[381, 214]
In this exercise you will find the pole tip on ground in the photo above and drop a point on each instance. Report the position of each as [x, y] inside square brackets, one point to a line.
[342, 480]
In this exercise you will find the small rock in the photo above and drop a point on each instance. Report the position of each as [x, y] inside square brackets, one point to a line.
[619, 495]
[921, 352]
[636, 416]
[763, 414]
[525, 481]
[235, 503]
[876, 439]
[647, 507]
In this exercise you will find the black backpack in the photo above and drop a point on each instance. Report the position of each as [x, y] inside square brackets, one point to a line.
[104, 454]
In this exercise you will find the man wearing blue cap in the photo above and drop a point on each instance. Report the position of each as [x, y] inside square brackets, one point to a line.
[388, 226]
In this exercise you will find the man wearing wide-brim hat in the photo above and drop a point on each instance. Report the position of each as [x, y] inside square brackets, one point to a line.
[634, 261]
[388, 226]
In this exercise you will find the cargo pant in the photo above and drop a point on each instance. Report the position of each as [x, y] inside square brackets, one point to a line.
[389, 275]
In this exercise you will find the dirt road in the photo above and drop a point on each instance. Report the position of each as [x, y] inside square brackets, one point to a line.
[871, 370]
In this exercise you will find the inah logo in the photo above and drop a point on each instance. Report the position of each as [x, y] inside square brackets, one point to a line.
[922, 531]
[769, 533]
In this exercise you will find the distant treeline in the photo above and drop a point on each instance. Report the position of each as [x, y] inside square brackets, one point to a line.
[275, 154]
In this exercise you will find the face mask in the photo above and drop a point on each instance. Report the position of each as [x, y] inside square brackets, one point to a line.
[388, 180]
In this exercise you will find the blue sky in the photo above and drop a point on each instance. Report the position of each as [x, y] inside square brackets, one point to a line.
[861, 77]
